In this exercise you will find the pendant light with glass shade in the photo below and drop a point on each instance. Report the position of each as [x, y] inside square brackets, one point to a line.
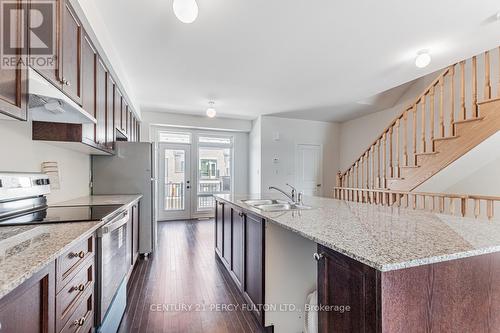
[211, 113]
[186, 10]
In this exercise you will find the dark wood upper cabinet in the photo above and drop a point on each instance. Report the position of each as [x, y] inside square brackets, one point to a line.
[52, 73]
[100, 93]
[110, 111]
[118, 108]
[344, 281]
[71, 54]
[89, 57]
[129, 124]
[13, 84]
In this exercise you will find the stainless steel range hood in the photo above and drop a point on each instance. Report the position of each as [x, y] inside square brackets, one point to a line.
[49, 104]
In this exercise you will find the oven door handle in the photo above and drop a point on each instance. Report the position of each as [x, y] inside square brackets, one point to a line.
[106, 229]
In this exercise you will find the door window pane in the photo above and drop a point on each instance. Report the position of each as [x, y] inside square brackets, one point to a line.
[174, 179]
[217, 140]
[174, 137]
[214, 174]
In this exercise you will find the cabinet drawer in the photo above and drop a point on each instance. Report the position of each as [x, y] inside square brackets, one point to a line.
[69, 263]
[71, 294]
[82, 319]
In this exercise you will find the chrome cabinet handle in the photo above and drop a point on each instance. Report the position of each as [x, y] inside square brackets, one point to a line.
[79, 322]
[80, 287]
[318, 256]
[80, 254]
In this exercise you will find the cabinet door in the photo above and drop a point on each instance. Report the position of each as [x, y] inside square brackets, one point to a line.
[118, 108]
[238, 246]
[219, 221]
[110, 111]
[30, 307]
[13, 82]
[135, 233]
[53, 74]
[228, 233]
[254, 262]
[344, 281]
[71, 54]
[129, 124]
[124, 115]
[88, 84]
[100, 95]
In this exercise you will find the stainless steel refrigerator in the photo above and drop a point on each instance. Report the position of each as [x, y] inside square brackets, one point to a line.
[131, 171]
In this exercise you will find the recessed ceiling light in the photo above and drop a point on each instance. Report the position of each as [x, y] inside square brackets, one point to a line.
[423, 59]
[211, 110]
[186, 10]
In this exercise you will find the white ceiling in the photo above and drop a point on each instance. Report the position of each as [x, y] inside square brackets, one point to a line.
[311, 59]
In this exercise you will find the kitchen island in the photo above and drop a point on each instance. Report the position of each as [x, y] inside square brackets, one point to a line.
[397, 270]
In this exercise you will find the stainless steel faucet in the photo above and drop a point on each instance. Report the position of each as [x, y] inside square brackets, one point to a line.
[289, 196]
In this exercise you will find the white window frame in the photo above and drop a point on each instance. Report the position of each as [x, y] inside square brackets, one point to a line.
[197, 135]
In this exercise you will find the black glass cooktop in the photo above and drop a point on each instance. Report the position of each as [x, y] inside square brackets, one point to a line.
[61, 214]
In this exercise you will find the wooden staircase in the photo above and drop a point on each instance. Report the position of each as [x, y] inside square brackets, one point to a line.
[446, 121]
[468, 134]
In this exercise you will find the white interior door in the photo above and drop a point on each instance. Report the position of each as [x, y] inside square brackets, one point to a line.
[309, 169]
[174, 181]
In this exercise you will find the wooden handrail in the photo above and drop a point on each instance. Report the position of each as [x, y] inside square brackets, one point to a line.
[425, 122]
[392, 198]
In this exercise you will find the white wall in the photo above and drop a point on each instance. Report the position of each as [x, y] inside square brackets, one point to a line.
[291, 133]
[357, 134]
[255, 154]
[476, 172]
[150, 119]
[20, 153]
[485, 181]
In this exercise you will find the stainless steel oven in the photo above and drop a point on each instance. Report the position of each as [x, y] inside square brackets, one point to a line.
[113, 262]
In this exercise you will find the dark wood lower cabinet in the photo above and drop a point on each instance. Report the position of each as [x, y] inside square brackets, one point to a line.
[30, 307]
[240, 245]
[253, 282]
[344, 282]
[461, 295]
[59, 298]
[227, 236]
[135, 233]
[219, 221]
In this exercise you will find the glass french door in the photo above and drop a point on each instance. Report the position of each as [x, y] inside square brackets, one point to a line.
[174, 185]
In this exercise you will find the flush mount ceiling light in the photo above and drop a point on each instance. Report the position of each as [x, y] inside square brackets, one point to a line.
[423, 59]
[186, 10]
[211, 110]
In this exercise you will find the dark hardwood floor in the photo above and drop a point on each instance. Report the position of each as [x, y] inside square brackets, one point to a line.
[184, 272]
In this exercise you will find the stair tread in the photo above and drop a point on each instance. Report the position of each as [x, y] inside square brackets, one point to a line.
[467, 120]
[410, 166]
[427, 153]
[447, 138]
[489, 100]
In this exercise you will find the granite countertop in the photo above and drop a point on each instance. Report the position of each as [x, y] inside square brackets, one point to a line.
[25, 250]
[99, 200]
[385, 238]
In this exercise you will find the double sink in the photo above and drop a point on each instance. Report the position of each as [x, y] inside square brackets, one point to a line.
[274, 205]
